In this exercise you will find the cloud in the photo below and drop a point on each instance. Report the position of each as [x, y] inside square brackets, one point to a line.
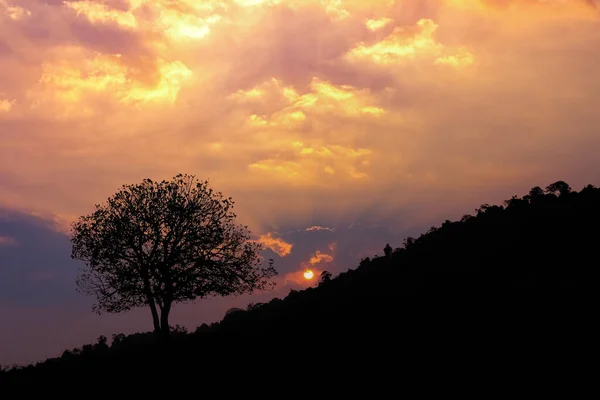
[5, 105]
[13, 12]
[376, 24]
[323, 258]
[69, 84]
[277, 245]
[408, 43]
[319, 228]
[102, 13]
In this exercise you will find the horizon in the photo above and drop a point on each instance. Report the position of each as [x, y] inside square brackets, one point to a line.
[336, 127]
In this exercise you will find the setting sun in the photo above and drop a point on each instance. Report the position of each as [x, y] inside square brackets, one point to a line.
[308, 274]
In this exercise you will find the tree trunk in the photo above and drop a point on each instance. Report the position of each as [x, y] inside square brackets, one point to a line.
[151, 302]
[155, 318]
[165, 330]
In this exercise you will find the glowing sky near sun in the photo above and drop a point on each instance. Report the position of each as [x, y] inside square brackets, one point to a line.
[316, 116]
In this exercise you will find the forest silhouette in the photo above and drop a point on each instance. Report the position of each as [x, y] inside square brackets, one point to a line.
[519, 273]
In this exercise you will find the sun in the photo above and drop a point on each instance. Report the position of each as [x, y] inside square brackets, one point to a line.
[308, 274]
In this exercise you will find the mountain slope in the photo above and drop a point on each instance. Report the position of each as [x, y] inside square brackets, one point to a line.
[516, 274]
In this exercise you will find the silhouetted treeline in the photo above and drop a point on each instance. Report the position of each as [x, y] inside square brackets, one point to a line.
[491, 280]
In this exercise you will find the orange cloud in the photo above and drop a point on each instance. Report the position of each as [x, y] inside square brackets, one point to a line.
[319, 258]
[277, 245]
[323, 258]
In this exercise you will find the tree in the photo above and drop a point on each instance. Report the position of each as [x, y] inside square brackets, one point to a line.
[325, 277]
[560, 186]
[254, 306]
[155, 244]
[234, 310]
[117, 339]
[466, 218]
[409, 242]
[534, 194]
[102, 341]
[387, 250]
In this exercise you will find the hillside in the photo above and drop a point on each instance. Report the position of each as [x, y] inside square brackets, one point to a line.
[510, 271]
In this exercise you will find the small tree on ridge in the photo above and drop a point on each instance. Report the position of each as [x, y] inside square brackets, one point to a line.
[159, 243]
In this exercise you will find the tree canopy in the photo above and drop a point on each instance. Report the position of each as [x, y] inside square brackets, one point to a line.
[159, 243]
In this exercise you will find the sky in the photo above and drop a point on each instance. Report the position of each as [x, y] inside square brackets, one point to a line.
[336, 126]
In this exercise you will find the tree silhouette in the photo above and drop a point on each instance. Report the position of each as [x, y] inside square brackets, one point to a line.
[325, 277]
[560, 186]
[158, 243]
[387, 250]
[534, 194]
[102, 341]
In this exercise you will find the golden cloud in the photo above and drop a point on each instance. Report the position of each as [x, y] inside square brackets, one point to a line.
[313, 164]
[5, 105]
[176, 20]
[379, 23]
[12, 11]
[319, 258]
[335, 9]
[97, 12]
[290, 110]
[462, 58]
[72, 83]
[408, 43]
[321, 98]
[277, 245]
